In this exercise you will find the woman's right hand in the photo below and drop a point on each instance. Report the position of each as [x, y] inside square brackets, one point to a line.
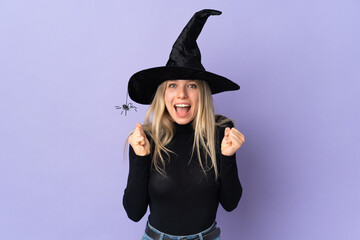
[139, 141]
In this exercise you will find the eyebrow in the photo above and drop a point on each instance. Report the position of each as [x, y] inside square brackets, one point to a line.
[175, 81]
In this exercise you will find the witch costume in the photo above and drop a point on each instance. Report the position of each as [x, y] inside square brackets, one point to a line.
[184, 202]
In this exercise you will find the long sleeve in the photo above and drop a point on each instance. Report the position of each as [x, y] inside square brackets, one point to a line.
[136, 197]
[230, 187]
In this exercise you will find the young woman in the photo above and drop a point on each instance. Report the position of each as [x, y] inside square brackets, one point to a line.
[182, 161]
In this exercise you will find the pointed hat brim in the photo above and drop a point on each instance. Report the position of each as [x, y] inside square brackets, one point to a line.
[143, 85]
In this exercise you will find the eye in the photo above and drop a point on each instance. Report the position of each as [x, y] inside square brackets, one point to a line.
[192, 85]
[171, 85]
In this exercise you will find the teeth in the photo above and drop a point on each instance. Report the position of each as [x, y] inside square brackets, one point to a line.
[182, 105]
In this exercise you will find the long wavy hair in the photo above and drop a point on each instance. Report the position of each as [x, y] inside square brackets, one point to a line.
[160, 127]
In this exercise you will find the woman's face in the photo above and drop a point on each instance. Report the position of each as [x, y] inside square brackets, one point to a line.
[182, 100]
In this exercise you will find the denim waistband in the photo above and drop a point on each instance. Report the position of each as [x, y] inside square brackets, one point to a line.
[197, 235]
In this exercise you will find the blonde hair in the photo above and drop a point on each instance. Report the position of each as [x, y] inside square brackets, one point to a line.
[160, 127]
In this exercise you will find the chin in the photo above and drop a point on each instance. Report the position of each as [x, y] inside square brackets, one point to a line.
[182, 121]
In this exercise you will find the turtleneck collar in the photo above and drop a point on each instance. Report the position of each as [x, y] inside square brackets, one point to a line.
[183, 128]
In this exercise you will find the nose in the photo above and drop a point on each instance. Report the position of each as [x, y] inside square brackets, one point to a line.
[182, 92]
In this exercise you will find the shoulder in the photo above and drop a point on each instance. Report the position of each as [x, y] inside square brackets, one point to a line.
[223, 122]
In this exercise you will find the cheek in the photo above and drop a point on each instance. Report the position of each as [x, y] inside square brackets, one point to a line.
[167, 105]
[167, 99]
[195, 102]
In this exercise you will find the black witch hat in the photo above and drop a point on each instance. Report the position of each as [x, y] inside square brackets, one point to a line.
[184, 63]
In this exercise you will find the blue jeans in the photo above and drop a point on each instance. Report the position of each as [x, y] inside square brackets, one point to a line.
[198, 235]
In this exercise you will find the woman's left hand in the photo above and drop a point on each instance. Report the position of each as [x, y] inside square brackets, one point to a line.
[232, 141]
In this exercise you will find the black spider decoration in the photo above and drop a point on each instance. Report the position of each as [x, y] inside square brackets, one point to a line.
[126, 107]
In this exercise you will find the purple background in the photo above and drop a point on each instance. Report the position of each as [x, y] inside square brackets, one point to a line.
[64, 65]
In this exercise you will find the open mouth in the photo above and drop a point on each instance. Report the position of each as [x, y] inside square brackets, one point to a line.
[182, 109]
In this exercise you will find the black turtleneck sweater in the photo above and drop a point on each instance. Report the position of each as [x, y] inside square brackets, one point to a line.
[185, 201]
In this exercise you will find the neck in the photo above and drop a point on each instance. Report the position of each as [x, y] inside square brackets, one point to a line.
[183, 127]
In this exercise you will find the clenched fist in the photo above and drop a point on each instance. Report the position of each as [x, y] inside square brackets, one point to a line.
[139, 141]
[232, 141]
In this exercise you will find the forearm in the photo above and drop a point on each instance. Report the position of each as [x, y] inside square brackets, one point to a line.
[135, 198]
[230, 187]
